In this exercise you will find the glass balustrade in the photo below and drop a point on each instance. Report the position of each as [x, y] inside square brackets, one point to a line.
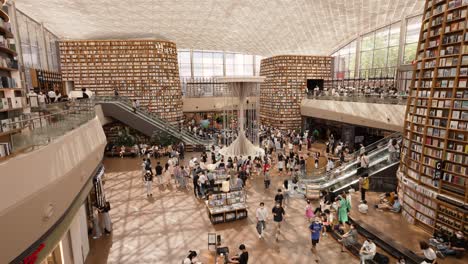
[43, 124]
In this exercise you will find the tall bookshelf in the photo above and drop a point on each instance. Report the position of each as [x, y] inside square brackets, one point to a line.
[12, 98]
[434, 160]
[44, 81]
[285, 86]
[146, 70]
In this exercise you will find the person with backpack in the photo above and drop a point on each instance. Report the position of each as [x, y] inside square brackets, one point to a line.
[364, 185]
[149, 183]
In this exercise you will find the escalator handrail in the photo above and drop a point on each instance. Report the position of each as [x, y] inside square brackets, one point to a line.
[346, 177]
[354, 154]
[354, 161]
[161, 122]
[151, 118]
[341, 178]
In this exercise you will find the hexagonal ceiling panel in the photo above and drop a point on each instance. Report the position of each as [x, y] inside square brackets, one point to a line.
[263, 27]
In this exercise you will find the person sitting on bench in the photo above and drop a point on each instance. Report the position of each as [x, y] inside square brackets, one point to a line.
[395, 207]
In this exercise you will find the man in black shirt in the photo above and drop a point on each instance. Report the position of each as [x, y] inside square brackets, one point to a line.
[243, 258]
[159, 170]
[279, 197]
[278, 216]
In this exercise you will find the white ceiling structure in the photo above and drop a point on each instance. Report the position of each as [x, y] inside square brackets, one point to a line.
[262, 27]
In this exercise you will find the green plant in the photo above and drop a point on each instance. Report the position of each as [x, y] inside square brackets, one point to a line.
[162, 138]
[124, 138]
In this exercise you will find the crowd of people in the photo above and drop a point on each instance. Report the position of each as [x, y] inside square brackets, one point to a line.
[382, 91]
[287, 153]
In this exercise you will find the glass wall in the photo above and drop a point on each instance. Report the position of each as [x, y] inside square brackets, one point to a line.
[379, 51]
[413, 27]
[198, 63]
[38, 45]
[345, 61]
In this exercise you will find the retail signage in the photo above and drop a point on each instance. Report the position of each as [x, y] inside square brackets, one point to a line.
[31, 259]
[439, 165]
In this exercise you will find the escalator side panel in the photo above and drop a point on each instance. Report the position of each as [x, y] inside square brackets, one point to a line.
[128, 118]
[384, 180]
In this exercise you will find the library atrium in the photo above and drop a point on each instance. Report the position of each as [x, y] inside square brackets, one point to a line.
[234, 131]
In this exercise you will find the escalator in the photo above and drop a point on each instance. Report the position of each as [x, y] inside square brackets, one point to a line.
[382, 171]
[120, 108]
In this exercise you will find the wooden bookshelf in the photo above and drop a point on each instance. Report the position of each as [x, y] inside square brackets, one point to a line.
[12, 99]
[146, 70]
[44, 81]
[286, 85]
[436, 123]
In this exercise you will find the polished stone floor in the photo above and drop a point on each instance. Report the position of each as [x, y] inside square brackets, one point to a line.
[164, 228]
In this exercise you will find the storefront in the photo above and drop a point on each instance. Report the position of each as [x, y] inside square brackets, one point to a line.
[67, 241]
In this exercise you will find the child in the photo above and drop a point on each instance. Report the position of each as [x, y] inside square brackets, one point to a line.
[308, 212]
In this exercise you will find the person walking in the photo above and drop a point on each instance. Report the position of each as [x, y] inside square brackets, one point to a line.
[309, 213]
[202, 183]
[279, 197]
[363, 185]
[107, 220]
[262, 215]
[196, 187]
[303, 166]
[149, 183]
[342, 210]
[267, 178]
[278, 216]
[96, 223]
[159, 171]
[316, 159]
[315, 231]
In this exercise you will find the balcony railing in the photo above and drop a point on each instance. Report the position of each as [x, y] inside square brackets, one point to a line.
[48, 122]
[373, 98]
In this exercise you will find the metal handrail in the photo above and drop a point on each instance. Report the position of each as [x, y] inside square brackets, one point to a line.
[29, 131]
[363, 98]
[127, 103]
[353, 161]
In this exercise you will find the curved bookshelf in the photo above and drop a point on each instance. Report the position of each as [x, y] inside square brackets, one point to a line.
[7, 50]
[5, 32]
[4, 15]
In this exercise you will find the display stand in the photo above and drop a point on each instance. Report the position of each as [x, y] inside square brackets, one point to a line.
[226, 207]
